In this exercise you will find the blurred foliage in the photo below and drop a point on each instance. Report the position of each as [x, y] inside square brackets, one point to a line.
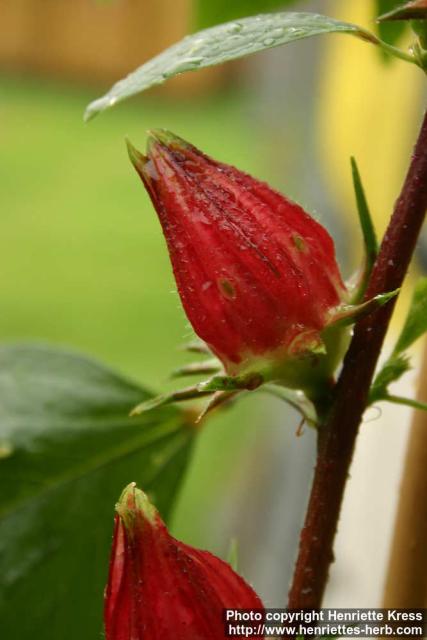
[211, 12]
[389, 31]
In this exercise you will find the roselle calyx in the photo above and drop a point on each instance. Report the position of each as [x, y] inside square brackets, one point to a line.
[256, 274]
[162, 589]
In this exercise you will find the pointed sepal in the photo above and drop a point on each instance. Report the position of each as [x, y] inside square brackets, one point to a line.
[197, 368]
[357, 285]
[189, 393]
[196, 346]
[218, 399]
[248, 382]
[349, 314]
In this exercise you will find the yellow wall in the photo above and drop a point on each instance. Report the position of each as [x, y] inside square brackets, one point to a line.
[370, 110]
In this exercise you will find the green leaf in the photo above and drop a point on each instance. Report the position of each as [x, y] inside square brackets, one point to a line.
[222, 43]
[391, 32]
[365, 218]
[69, 448]
[209, 13]
[416, 322]
[398, 363]
[391, 371]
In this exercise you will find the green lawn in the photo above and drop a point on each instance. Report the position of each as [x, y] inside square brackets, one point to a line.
[83, 261]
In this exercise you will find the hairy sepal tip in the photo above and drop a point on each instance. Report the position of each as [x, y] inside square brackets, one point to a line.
[138, 159]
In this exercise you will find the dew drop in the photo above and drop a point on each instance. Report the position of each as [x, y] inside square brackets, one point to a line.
[186, 64]
[277, 33]
[236, 27]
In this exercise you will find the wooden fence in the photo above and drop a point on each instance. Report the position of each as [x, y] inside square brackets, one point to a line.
[94, 40]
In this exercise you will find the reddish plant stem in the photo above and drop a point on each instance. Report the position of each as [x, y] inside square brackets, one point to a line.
[338, 434]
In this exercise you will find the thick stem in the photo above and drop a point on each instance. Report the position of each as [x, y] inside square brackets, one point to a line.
[338, 434]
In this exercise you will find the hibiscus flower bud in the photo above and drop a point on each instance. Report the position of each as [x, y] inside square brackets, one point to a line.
[256, 274]
[162, 589]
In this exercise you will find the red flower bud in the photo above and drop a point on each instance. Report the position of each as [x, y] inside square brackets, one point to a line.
[162, 589]
[256, 274]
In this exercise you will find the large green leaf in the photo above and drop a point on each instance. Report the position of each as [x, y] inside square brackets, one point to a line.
[222, 43]
[68, 449]
[211, 12]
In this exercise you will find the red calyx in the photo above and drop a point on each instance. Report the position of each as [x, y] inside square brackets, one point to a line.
[254, 271]
[162, 589]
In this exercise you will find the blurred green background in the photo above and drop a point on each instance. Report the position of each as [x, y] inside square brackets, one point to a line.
[83, 261]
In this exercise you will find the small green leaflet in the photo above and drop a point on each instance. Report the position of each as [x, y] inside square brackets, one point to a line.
[370, 242]
[365, 218]
[398, 363]
[416, 321]
[222, 43]
[69, 448]
[393, 369]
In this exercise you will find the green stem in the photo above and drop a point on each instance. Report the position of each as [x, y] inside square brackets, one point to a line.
[410, 402]
[337, 435]
[398, 53]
